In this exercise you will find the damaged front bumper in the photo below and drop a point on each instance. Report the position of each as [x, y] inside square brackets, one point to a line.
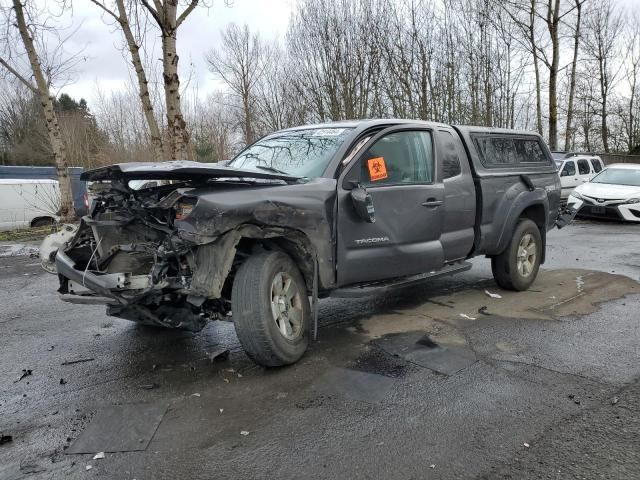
[125, 295]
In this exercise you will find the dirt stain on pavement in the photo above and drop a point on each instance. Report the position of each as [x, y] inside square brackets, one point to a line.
[555, 294]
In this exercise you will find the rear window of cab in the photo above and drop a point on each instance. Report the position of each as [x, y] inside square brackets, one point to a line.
[507, 151]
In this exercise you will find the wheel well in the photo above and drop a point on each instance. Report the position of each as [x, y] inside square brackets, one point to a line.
[44, 217]
[537, 215]
[294, 244]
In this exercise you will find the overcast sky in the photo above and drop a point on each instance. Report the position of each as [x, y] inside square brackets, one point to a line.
[104, 65]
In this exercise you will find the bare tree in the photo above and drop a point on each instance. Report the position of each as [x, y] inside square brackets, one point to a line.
[119, 13]
[41, 89]
[240, 63]
[604, 25]
[632, 74]
[166, 16]
[572, 78]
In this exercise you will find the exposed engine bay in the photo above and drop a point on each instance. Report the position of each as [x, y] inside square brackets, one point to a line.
[166, 255]
[131, 248]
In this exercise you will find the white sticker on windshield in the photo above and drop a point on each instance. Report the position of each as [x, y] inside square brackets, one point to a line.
[327, 132]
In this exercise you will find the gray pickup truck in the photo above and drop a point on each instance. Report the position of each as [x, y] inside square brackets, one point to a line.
[341, 209]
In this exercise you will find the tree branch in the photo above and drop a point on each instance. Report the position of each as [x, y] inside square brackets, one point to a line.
[15, 73]
[106, 10]
[187, 11]
[154, 13]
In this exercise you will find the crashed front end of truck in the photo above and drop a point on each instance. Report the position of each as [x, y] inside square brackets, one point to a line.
[152, 255]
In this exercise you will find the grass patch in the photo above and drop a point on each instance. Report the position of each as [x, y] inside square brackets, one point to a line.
[27, 234]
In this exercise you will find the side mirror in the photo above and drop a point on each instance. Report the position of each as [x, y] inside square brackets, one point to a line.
[564, 173]
[363, 203]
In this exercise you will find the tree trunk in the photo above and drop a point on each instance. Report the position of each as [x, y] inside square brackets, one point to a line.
[176, 125]
[553, 19]
[143, 83]
[53, 129]
[572, 80]
[536, 68]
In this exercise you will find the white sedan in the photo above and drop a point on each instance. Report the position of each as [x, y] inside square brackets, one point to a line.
[613, 193]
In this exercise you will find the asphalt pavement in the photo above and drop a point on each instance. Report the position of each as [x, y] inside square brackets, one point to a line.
[440, 381]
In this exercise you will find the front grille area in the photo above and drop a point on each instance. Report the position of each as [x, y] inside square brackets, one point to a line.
[599, 212]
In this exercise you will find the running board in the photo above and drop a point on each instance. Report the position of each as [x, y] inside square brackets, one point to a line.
[386, 285]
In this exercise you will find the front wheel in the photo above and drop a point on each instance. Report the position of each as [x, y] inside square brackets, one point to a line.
[517, 267]
[271, 309]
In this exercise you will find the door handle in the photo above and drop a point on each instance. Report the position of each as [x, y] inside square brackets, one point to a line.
[432, 202]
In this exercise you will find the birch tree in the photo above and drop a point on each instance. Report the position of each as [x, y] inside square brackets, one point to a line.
[117, 11]
[16, 18]
[166, 16]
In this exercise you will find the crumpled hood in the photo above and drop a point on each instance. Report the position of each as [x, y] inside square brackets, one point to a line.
[176, 170]
[608, 191]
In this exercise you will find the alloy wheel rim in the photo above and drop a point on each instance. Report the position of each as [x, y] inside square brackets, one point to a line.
[286, 306]
[526, 256]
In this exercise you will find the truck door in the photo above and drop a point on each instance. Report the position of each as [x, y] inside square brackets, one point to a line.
[397, 168]
[459, 213]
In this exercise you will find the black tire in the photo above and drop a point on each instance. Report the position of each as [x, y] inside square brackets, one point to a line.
[507, 271]
[257, 327]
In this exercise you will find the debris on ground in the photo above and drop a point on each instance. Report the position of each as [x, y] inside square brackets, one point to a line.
[433, 465]
[526, 445]
[226, 380]
[5, 439]
[614, 400]
[426, 341]
[88, 467]
[244, 433]
[492, 295]
[221, 410]
[63, 381]
[483, 310]
[25, 373]
[98, 456]
[50, 348]
[80, 360]
[219, 354]
[464, 315]
[195, 394]
[149, 386]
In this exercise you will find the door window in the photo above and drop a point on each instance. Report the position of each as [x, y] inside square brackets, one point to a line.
[399, 158]
[595, 163]
[569, 169]
[583, 167]
[450, 158]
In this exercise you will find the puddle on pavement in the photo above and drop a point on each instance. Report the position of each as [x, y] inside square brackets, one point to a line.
[419, 349]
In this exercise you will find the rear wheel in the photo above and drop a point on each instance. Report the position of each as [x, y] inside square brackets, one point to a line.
[271, 309]
[517, 267]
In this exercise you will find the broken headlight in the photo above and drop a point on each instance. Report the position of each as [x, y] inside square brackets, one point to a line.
[183, 208]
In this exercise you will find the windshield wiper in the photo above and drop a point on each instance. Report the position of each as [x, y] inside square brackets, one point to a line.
[272, 169]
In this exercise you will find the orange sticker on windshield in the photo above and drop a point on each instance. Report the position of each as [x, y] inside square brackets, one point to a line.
[377, 169]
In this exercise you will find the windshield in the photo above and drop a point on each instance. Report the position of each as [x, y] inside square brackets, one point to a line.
[619, 176]
[302, 153]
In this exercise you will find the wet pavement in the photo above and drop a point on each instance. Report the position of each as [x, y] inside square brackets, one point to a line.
[397, 386]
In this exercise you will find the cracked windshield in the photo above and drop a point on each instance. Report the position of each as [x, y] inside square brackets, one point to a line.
[301, 153]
